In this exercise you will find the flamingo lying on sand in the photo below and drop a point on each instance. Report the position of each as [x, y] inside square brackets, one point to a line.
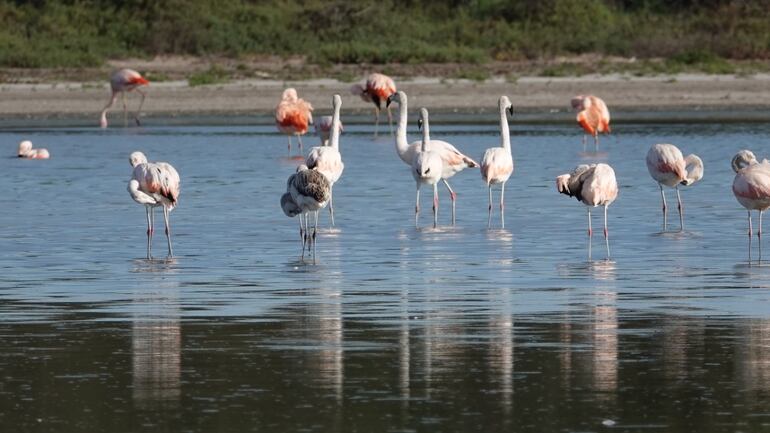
[497, 163]
[751, 188]
[377, 89]
[293, 115]
[122, 81]
[593, 116]
[327, 159]
[26, 151]
[668, 167]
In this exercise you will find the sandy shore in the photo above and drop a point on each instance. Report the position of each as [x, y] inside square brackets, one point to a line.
[530, 94]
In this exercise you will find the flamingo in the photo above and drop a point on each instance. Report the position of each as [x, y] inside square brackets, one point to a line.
[668, 167]
[327, 159]
[497, 163]
[122, 81]
[26, 151]
[426, 167]
[377, 89]
[594, 185]
[453, 160]
[751, 188]
[154, 184]
[323, 127]
[293, 115]
[307, 191]
[593, 116]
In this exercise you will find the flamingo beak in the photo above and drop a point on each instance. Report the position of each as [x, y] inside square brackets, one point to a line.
[390, 99]
[510, 110]
[419, 124]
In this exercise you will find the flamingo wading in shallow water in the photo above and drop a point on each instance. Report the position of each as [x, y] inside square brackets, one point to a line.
[593, 185]
[426, 167]
[668, 167]
[122, 81]
[497, 163]
[593, 116]
[293, 115]
[453, 160]
[154, 184]
[26, 151]
[327, 159]
[751, 188]
[323, 127]
[377, 89]
[307, 191]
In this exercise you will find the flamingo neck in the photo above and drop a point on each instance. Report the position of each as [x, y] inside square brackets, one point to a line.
[334, 140]
[401, 144]
[505, 134]
[425, 136]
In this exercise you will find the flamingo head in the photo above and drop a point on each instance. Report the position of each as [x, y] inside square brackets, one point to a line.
[25, 147]
[289, 94]
[505, 104]
[137, 158]
[399, 97]
[743, 159]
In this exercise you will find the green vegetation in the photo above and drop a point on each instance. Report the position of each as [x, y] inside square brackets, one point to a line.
[688, 35]
[214, 75]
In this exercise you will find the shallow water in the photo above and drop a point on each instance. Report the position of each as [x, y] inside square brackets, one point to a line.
[395, 328]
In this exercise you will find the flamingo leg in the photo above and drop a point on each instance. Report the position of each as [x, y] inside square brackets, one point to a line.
[759, 237]
[606, 232]
[376, 120]
[590, 233]
[596, 142]
[453, 196]
[152, 228]
[331, 204]
[139, 110]
[110, 103]
[289, 138]
[417, 207]
[489, 208]
[302, 235]
[681, 210]
[750, 233]
[299, 140]
[584, 143]
[435, 205]
[665, 208]
[149, 231]
[168, 231]
[125, 108]
[315, 230]
[502, 205]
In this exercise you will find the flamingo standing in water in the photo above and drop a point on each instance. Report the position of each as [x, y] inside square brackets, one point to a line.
[122, 81]
[593, 116]
[594, 185]
[327, 159]
[497, 163]
[154, 184]
[668, 167]
[26, 151]
[293, 115]
[307, 191]
[751, 188]
[377, 89]
[426, 167]
[453, 160]
[323, 127]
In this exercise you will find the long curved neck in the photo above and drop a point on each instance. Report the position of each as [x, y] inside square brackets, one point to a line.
[401, 144]
[334, 140]
[505, 134]
[425, 136]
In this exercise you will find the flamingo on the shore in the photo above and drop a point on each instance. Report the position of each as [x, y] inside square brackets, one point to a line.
[154, 184]
[307, 191]
[377, 89]
[497, 163]
[293, 115]
[668, 167]
[453, 160]
[323, 127]
[593, 116]
[751, 188]
[122, 81]
[26, 151]
[593, 185]
[426, 167]
[327, 159]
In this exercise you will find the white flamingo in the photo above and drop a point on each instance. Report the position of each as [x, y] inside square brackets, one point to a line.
[154, 184]
[122, 81]
[307, 191]
[323, 127]
[453, 160]
[497, 163]
[751, 188]
[668, 167]
[327, 159]
[426, 167]
[26, 151]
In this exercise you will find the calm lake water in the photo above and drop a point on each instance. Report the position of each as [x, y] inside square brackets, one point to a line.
[394, 329]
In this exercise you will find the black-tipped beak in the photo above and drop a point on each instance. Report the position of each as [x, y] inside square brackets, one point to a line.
[419, 124]
[389, 100]
[510, 110]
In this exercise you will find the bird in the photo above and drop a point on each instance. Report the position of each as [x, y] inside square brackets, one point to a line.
[323, 127]
[377, 89]
[453, 160]
[426, 167]
[497, 163]
[122, 81]
[751, 188]
[26, 151]
[593, 116]
[307, 191]
[293, 115]
[327, 159]
[154, 184]
[668, 167]
[593, 185]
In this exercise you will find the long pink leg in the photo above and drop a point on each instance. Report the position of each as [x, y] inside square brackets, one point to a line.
[149, 233]
[139, 110]
[606, 232]
[665, 208]
[489, 209]
[502, 206]
[759, 237]
[750, 233]
[453, 196]
[435, 205]
[417, 207]
[590, 233]
[376, 120]
[680, 206]
[299, 140]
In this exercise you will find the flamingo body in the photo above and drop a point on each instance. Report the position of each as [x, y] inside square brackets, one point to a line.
[377, 89]
[426, 167]
[26, 151]
[293, 115]
[323, 127]
[327, 159]
[593, 116]
[122, 81]
[307, 191]
[668, 167]
[751, 187]
[497, 163]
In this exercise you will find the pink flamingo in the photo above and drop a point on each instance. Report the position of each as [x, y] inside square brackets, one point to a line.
[751, 188]
[154, 184]
[327, 159]
[293, 115]
[594, 185]
[377, 89]
[668, 167]
[122, 81]
[323, 127]
[497, 163]
[593, 116]
[26, 151]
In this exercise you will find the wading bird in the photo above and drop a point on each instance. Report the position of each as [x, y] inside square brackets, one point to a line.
[593, 116]
[323, 127]
[122, 81]
[751, 188]
[668, 167]
[453, 160]
[426, 167]
[307, 191]
[26, 151]
[293, 115]
[497, 163]
[327, 159]
[154, 184]
[377, 89]
[594, 185]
